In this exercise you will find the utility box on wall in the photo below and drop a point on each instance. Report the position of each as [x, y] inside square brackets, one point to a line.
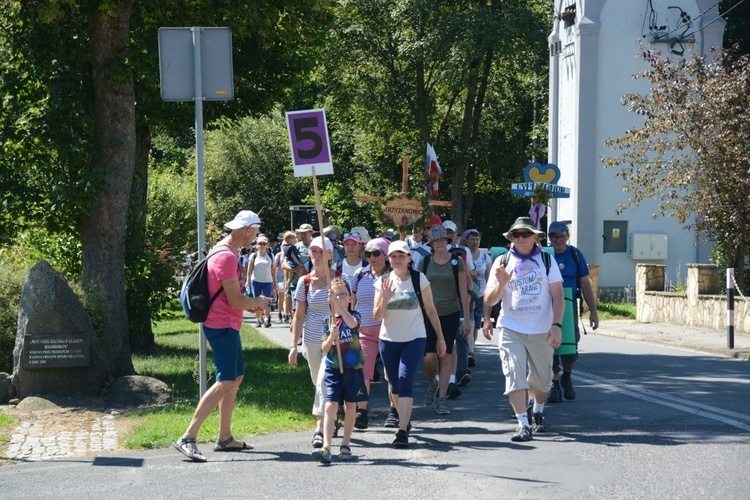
[648, 246]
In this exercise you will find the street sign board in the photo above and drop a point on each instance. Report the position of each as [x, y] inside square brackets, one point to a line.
[528, 188]
[176, 64]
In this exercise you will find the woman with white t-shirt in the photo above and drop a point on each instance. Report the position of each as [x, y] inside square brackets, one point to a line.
[402, 333]
[260, 269]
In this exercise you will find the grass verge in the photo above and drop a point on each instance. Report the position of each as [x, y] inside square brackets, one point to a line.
[7, 423]
[272, 398]
[615, 310]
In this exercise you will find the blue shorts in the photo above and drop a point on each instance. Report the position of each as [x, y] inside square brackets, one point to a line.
[227, 352]
[260, 288]
[348, 386]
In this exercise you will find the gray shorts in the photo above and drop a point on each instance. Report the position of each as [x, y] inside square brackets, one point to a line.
[519, 350]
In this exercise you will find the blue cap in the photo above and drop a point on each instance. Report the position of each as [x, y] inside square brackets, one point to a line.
[557, 227]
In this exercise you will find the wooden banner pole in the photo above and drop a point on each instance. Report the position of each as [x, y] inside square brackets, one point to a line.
[325, 258]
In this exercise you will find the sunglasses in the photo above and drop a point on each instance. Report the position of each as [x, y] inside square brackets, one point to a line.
[353, 235]
[524, 235]
[262, 244]
[342, 295]
[374, 253]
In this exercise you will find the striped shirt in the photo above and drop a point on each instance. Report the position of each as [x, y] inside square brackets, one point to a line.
[317, 309]
[365, 290]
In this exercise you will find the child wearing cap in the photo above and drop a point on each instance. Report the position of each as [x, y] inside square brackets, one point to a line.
[341, 328]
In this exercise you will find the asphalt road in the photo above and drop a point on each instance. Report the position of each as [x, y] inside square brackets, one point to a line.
[649, 422]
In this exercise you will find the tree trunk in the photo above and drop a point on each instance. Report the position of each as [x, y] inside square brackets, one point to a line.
[139, 309]
[103, 229]
[459, 174]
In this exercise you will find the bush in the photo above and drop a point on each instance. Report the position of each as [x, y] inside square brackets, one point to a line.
[13, 269]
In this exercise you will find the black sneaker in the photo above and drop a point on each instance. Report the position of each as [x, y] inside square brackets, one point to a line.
[453, 391]
[464, 379]
[361, 421]
[539, 425]
[523, 433]
[268, 322]
[555, 395]
[567, 385]
[392, 419]
[402, 440]
[472, 361]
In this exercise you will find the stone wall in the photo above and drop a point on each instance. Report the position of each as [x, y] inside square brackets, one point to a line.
[701, 306]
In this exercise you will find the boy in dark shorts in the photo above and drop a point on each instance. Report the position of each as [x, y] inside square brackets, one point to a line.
[341, 328]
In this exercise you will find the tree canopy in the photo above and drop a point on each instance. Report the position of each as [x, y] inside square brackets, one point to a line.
[692, 151]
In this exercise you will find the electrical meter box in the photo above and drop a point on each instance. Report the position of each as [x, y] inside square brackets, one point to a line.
[646, 246]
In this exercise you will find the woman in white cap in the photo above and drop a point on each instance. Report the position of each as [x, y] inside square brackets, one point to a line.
[260, 271]
[309, 316]
[402, 307]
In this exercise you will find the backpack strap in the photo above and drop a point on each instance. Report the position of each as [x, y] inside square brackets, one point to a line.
[214, 251]
[546, 259]
[360, 274]
[306, 281]
[415, 283]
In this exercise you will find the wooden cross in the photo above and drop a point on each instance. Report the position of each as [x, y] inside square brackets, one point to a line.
[404, 188]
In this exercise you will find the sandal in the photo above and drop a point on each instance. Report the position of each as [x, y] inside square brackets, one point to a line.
[224, 445]
[317, 440]
[187, 447]
[345, 453]
[322, 455]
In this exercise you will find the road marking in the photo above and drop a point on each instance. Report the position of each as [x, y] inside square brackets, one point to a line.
[724, 416]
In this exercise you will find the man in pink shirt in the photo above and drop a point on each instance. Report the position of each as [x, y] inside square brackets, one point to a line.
[222, 330]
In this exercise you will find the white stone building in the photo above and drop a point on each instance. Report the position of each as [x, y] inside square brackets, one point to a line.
[593, 48]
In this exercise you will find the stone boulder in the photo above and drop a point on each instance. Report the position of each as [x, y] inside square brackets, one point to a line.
[137, 390]
[6, 388]
[49, 308]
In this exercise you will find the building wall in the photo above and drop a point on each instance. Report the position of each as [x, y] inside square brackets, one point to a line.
[593, 70]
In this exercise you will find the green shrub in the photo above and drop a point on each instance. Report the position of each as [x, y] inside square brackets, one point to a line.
[13, 268]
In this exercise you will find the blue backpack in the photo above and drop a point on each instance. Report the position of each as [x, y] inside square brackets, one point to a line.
[194, 295]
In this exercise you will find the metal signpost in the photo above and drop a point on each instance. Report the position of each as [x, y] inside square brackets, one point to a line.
[195, 64]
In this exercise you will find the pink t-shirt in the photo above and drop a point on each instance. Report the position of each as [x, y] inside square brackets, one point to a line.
[223, 265]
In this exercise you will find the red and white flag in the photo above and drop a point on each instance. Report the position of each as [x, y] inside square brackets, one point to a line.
[433, 170]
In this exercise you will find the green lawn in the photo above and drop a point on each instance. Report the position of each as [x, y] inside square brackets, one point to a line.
[272, 398]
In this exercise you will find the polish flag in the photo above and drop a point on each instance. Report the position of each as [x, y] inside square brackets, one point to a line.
[433, 170]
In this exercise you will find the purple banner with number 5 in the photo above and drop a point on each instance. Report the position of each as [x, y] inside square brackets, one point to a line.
[308, 137]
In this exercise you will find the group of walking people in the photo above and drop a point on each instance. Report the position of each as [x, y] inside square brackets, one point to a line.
[346, 316]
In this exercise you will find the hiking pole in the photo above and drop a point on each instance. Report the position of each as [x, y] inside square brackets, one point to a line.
[325, 258]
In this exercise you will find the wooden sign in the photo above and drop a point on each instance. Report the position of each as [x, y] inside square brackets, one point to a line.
[404, 211]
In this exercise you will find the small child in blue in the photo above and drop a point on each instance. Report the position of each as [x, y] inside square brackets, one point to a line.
[347, 385]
